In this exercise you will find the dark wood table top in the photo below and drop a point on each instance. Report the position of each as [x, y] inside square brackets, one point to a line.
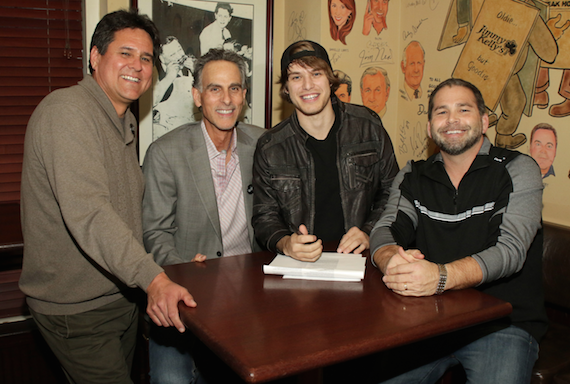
[265, 327]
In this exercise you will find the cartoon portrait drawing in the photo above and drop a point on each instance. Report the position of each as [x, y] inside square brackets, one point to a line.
[375, 16]
[345, 88]
[375, 89]
[341, 18]
[412, 65]
[543, 143]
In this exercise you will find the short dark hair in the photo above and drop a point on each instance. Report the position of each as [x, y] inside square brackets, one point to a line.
[117, 21]
[546, 127]
[458, 83]
[225, 6]
[217, 54]
[343, 78]
[308, 61]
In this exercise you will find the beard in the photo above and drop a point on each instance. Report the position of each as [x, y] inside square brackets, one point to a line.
[453, 147]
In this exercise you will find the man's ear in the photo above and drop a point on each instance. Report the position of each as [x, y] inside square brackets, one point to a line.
[197, 97]
[485, 122]
[94, 58]
[429, 130]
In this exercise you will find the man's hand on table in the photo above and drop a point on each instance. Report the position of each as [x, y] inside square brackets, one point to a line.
[355, 241]
[407, 272]
[301, 246]
[163, 298]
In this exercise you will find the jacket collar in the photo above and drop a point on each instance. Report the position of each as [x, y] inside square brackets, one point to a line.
[482, 160]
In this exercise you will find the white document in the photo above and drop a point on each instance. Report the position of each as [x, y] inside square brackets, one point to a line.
[330, 266]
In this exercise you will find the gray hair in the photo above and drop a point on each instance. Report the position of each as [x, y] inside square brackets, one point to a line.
[217, 54]
[371, 71]
[415, 43]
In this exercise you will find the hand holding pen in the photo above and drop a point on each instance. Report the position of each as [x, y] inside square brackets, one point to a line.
[301, 245]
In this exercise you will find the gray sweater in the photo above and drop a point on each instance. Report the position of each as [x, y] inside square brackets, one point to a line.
[82, 189]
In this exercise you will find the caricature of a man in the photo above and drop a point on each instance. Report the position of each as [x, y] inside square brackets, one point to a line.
[375, 89]
[413, 61]
[375, 16]
[543, 143]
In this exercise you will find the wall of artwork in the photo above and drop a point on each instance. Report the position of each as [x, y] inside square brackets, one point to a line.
[396, 52]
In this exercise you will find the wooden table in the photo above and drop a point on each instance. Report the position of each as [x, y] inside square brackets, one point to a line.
[265, 327]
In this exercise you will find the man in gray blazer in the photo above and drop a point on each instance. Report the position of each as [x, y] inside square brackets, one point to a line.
[198, 197]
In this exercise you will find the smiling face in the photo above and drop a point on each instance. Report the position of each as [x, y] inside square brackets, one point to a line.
[414, 67]
[374, 92]
[221, 96]
[339, 13]
[456, 125]
[223, 17]
[309, 89]
[543, 149]
[124, 72]
[379, 10]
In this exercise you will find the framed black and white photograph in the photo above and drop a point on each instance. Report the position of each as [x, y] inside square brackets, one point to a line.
[188, 30]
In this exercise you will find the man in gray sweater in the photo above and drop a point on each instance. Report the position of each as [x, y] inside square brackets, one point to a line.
[82, 189]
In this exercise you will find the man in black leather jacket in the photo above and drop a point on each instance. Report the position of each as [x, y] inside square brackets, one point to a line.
[324, 173]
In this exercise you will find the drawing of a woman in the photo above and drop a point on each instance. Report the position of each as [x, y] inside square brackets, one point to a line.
[341, 18]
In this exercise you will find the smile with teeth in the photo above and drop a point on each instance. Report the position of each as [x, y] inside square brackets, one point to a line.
[225, 111]
[454, 132]
[310, 97]
[130, 78]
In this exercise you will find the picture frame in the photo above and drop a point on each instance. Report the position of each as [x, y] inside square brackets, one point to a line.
[168, 104]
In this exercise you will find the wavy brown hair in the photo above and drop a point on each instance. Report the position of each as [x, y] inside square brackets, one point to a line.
[340, 33]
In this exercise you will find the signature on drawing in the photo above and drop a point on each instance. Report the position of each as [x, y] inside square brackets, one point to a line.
[297, 30]
[415, 29]
[375, 53]
[412, 139]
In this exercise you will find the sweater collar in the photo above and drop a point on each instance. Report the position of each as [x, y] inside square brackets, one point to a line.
[125, 127]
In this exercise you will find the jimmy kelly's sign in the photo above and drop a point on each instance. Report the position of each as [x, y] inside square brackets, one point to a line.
[498, 40]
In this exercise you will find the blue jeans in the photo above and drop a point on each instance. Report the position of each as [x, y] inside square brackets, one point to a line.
[503, 357]
[169, 357]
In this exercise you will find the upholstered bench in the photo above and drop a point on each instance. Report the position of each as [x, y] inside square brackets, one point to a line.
[554, 356]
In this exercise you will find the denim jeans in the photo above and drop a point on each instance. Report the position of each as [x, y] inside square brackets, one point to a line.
[169, 357]
[502, 357]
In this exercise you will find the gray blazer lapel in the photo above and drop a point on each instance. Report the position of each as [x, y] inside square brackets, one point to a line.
[198, 162]
[246, 147]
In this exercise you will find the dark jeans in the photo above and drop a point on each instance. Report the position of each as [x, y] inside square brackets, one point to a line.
[95, 346]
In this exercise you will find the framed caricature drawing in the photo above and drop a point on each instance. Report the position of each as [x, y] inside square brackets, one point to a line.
[188, 29]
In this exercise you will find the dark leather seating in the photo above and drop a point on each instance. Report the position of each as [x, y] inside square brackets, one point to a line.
[553, 365]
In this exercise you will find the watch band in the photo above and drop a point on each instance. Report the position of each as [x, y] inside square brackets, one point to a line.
[442, 279]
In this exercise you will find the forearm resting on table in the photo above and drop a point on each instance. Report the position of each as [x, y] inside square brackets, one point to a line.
[383, 255]
[462, 273]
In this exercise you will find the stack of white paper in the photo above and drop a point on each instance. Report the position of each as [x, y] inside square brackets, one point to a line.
[330, 266]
